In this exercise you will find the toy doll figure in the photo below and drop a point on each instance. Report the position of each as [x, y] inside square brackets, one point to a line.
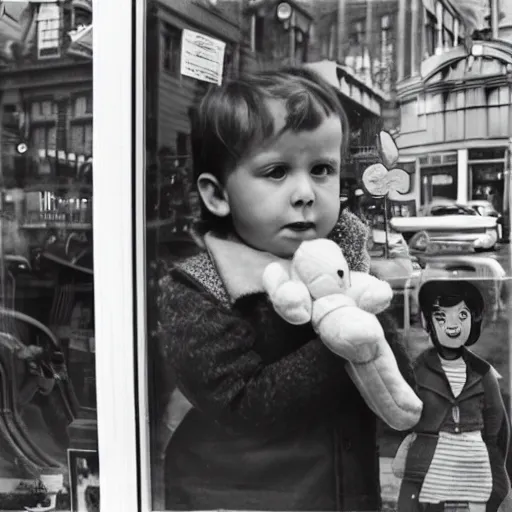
[456, 454]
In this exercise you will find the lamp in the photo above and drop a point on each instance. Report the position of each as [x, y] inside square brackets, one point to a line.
[284, 11]
[22, 148]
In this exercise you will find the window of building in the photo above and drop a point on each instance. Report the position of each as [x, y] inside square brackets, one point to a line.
[447, 39]
[81, 138]
[44, 137]
[82, 105]
[439, 28]
[171, 47]
[48, 31]
[430, 34]
[456, 29]
[383, 78]
[43, 110]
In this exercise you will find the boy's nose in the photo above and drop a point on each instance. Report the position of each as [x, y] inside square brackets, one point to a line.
[303, 193]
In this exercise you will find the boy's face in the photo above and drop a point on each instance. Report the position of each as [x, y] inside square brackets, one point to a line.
[287, 190]
[452, 325]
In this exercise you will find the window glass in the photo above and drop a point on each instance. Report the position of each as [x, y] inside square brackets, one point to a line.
[229, 425]
[48, 431]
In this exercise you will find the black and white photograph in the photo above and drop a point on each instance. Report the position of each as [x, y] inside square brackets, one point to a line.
[255, 255]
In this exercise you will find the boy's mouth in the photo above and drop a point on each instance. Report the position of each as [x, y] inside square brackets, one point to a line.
[300, 226]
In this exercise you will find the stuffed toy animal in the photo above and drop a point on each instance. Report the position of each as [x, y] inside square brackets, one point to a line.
[341, 305]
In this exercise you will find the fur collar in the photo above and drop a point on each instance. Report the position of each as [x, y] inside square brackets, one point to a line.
[239, 266]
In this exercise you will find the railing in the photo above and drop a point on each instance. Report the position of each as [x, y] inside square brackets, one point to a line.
[83, 216]
[359, 151]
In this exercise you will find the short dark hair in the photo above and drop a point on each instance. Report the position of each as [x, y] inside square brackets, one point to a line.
[450, 292]
[232, 118]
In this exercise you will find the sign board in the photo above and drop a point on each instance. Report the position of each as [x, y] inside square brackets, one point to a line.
[442, 179]
[202, 57]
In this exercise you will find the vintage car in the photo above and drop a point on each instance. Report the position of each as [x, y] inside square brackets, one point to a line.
[447, 234]
[486, 209]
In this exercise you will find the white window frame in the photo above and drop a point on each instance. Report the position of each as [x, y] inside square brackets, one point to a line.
[114, 293]
[49, 20]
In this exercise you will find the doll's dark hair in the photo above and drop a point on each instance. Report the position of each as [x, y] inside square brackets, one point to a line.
[232, 118]
[447, 293]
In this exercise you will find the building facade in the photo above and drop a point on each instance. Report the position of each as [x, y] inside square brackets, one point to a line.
[456, 121]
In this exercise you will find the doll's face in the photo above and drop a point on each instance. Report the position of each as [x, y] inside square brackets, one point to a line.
[452, 325]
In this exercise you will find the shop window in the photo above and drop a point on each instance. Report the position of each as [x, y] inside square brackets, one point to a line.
[48, 31]
[171, 47]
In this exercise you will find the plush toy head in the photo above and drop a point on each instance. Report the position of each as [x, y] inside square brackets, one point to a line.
[321, 266]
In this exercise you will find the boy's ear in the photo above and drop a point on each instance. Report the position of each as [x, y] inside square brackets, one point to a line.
[213, 195]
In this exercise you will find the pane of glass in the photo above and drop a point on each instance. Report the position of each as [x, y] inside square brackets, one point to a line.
[231, 425]
[48, 435]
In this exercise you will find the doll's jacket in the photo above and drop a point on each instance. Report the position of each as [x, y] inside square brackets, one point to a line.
[479, 406]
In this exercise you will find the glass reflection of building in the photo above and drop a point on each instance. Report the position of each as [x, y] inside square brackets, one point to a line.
[46, 271]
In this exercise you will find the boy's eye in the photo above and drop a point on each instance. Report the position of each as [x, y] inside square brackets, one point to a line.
[322, 170]
[463, 315]
[276, 173]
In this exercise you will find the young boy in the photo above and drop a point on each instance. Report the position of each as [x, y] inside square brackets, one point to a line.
[276, 423]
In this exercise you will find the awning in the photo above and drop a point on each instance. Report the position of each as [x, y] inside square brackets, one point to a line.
[81, 42]
[350, 85]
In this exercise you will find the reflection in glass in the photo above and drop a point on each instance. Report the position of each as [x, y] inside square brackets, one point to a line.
[374, 54]
[46, 274]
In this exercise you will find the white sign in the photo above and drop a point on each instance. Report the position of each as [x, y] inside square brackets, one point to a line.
[442, 179]
[202, 57]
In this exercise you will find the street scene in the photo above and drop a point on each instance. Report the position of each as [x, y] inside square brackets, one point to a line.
[425, 165]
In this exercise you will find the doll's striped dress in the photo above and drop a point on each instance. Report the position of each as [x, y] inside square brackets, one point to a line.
[460, 469]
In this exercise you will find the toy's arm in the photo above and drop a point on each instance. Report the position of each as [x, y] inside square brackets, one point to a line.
[357, 336]
[290, 298]
[369, 293]
[385, 390]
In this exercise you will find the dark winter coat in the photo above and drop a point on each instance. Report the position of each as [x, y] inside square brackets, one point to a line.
[480, 407]
[277, 424]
